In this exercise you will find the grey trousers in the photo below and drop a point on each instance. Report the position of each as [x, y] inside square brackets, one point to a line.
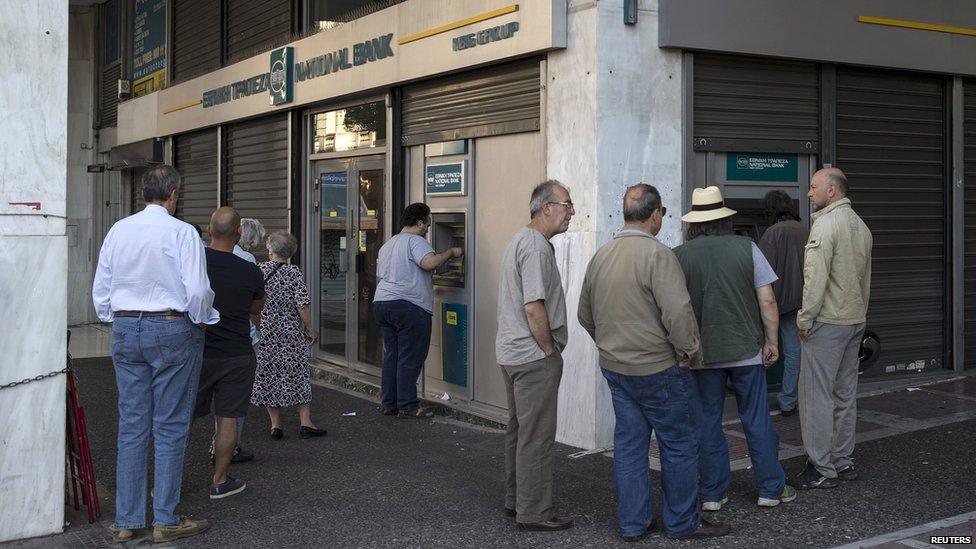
[827, 394]
[532, 390]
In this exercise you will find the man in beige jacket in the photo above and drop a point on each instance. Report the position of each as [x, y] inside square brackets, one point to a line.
[635, 306]
[836, 288]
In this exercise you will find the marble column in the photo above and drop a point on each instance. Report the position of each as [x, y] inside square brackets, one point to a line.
[33, 264]
[613, 119]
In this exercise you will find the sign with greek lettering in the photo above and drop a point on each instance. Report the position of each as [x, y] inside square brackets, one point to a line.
[445, 179]
[760, 167]
[148, 46]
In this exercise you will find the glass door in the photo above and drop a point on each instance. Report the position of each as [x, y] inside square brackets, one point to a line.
[350, 210]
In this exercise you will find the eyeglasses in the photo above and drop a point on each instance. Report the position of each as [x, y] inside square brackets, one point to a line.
[664, 211]
[568, 203]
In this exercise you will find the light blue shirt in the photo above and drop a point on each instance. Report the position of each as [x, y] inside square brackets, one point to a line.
[248, 256]
[399, 272]
[151, 261]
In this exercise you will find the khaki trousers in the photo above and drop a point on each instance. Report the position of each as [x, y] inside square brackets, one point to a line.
[827, 394]
[532, 390]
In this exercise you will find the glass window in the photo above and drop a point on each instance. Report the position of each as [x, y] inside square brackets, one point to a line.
[326, 14]
[112, 46]
[359, 127]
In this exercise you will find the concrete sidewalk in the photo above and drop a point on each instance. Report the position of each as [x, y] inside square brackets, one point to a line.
[379, 481]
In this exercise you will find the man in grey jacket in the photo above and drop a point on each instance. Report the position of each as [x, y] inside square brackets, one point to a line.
[836, 290]
[635, 306]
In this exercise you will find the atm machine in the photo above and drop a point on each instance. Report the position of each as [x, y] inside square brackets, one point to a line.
[441, 178]
[745, 178]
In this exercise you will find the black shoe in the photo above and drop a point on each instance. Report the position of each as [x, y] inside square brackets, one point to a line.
[311, 432]
[637, 537]
[705, 529]
[241, 455]
[555, 523]
[388, 411]
[787, 413]
[847, 473]
[277, 433]
[811, 478]
[509, 512]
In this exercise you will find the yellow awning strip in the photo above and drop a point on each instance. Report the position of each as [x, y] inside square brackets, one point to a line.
[915, 25]
[458, 24]
[183, 106]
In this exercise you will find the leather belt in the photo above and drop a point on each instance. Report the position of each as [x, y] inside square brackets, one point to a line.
[144, 314]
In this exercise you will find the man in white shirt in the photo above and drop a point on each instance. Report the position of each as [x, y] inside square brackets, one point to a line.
[152, 285]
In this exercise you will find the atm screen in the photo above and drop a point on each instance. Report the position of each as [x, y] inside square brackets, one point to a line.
[448, 230]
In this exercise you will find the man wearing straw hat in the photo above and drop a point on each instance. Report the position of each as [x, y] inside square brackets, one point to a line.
[730, 283]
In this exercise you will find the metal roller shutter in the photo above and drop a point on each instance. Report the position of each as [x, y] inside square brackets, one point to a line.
[256, 160]
[891, 145]
[254, 26]
[493, 101]
[196, 38]
[744, 104]
[108, 99]
[195, 156]
[969, 192]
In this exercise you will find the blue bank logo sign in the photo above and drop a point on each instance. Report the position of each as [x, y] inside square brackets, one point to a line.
[280, 76]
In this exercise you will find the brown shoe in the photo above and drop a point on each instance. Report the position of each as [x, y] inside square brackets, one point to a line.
[186, 528]
[555, 523]
[120, 535]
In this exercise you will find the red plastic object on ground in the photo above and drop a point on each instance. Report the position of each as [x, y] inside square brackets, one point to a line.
[80, 469]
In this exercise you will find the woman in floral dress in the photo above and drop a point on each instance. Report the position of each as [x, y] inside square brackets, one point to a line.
[283, 378]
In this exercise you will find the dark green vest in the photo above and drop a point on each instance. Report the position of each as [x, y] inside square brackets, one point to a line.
[721, 281]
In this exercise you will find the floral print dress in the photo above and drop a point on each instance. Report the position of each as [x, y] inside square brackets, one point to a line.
[282, 377]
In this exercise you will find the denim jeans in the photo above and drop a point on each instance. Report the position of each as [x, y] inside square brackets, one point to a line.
[157, 368]
[749, 385]
[665, 403]
[790, 348]
[406, 340]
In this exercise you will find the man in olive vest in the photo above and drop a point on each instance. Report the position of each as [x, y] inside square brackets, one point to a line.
[730, 283]
[836, 289]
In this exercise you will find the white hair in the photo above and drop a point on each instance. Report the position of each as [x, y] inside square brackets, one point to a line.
[252, 233]
[542, 194]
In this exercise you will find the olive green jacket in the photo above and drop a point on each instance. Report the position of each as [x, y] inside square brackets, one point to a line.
[836, 268]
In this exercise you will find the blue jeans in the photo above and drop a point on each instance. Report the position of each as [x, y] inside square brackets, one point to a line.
[749, 385]
[790, 348]
[406, 340]
[665, 403]
[157, 368]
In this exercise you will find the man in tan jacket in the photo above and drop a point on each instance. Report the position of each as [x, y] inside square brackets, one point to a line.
[836, 289]
[635, 306]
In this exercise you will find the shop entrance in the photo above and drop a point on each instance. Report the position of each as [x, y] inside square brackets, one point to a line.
[348, 204]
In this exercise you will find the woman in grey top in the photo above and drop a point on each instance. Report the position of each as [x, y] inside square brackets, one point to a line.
[403, 306]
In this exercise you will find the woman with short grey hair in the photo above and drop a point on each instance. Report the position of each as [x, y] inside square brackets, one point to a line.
[283, 378]
[252, 235]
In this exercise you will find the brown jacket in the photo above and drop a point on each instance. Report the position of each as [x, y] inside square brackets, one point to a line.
[635, 306]
[782, 244]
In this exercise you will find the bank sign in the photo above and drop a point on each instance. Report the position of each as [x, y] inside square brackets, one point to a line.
[283, 71]
[760, 167]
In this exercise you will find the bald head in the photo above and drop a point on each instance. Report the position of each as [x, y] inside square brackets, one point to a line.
[225, 223]
[828, 185]
[640, 201]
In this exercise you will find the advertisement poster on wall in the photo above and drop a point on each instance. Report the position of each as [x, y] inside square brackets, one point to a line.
[148, 46]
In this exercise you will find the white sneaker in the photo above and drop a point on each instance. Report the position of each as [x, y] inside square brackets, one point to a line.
[788, 495]
[715, 505]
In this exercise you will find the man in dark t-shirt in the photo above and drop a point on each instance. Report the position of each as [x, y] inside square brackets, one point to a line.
[228, 368]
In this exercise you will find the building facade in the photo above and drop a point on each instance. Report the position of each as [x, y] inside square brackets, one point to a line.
[325, 118]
